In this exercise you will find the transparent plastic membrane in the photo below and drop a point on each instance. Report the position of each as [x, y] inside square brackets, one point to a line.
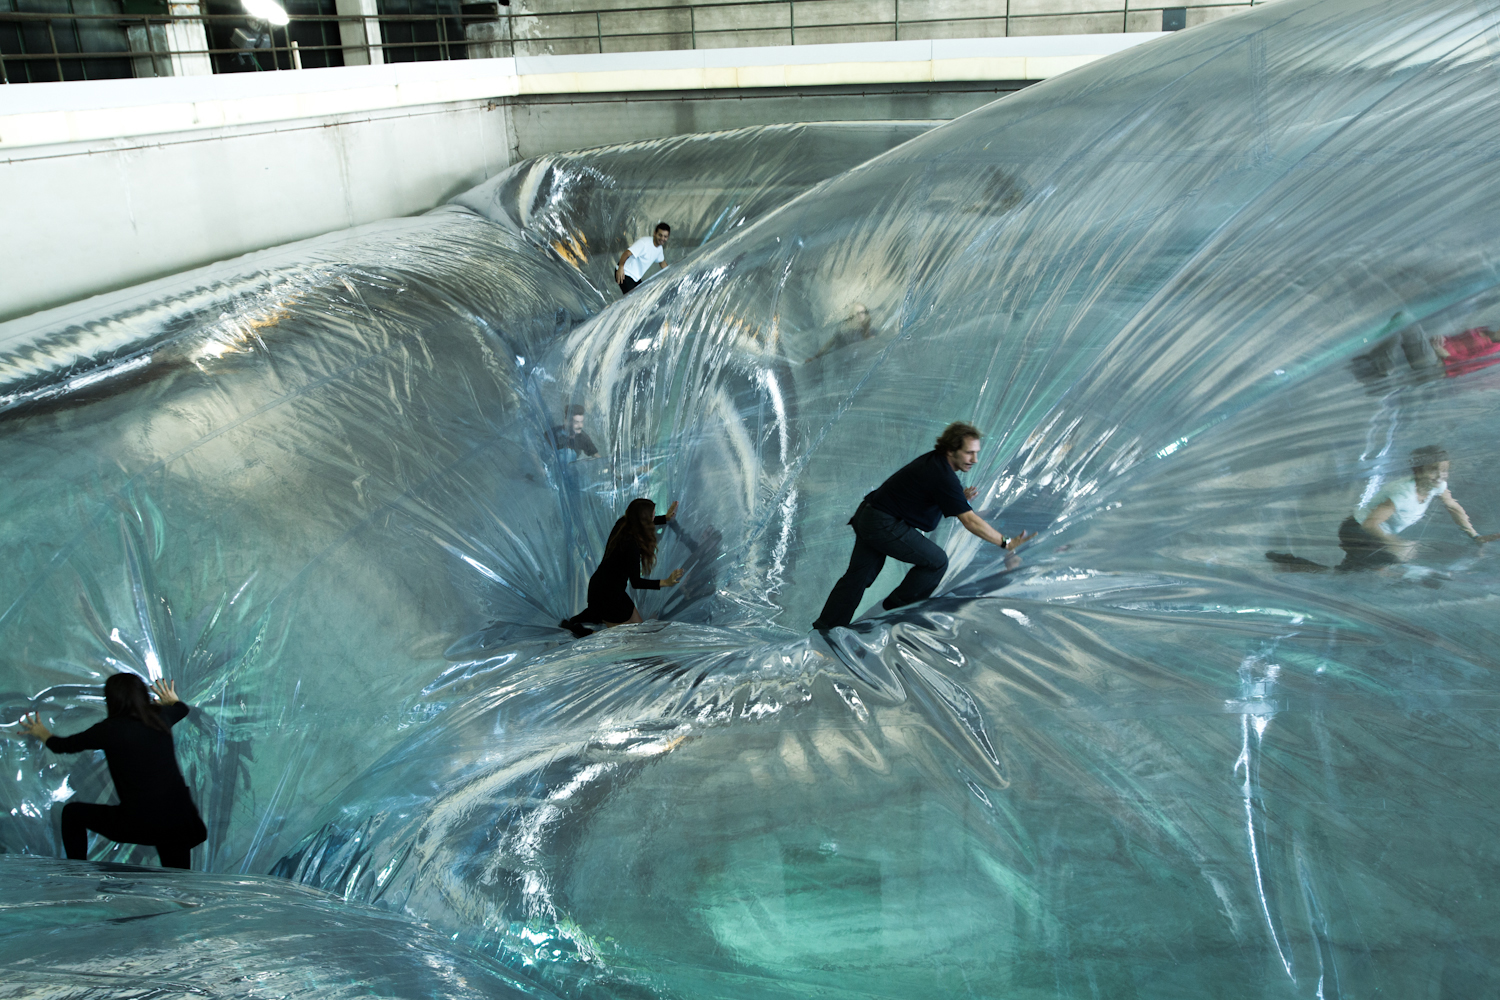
[74, 930]
[1198, 295]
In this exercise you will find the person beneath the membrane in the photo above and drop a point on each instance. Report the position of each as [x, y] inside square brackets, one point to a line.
[853, 329]
[630, 552]
[155, 807]
[571, 439]
[1371, 535]
[1469, 351]
[892, 519]
[636, 262]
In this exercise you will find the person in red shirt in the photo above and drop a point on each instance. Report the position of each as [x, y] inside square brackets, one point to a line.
[1468, 351]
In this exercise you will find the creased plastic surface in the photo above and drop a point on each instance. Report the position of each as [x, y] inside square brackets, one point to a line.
[294, 479]
[1192, 293]
[96, 930]
[589, 206]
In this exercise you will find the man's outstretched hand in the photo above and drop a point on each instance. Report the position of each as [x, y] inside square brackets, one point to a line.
[970, 492]
[1011, 544]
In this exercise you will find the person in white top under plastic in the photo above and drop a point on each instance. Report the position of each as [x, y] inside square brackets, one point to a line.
[1370, 537]
[635, 262]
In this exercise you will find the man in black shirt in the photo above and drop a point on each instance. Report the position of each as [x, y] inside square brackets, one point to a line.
[891, 520]
[572, 437]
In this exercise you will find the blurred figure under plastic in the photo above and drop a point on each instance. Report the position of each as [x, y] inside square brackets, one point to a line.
[853, 329]
[571, 438]
[1370, 537]
[1467, 352]
[1404, 350]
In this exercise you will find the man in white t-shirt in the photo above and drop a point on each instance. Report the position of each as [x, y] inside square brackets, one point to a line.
[1370, 537]
[634, 263]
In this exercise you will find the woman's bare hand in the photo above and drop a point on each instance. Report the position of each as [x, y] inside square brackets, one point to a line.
[31, 725]
[672, 510]
[672, 578]
[165, 691]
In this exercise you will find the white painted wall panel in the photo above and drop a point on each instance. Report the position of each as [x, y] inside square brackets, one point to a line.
[121, 212]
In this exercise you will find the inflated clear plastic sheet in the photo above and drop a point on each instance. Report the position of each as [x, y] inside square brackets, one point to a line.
[97, 930]
[588, 206]
[287, 481]
[1196, 294]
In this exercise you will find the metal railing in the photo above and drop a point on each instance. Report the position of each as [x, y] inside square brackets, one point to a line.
[51, 45]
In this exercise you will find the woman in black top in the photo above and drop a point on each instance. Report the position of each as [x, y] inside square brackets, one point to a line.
[630, 551]
[155, 806]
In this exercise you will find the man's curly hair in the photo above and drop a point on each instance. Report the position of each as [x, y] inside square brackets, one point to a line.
[954, 435]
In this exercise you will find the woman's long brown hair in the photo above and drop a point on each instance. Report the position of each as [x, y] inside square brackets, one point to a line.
[638, 525]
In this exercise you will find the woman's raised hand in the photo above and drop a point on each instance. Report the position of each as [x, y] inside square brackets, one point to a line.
[673, 577]
[31, 725]
[165, 691]
[672, 510]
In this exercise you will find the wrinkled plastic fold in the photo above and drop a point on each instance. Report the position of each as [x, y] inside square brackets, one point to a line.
[1204, 298]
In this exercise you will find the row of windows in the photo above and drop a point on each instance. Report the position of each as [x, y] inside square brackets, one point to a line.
[114, 39]
[98, 39]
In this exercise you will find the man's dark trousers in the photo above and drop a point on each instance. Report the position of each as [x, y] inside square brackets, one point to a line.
[627, 285]
[877, 535]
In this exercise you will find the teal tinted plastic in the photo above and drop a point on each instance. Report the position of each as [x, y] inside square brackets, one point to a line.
[1197, 295]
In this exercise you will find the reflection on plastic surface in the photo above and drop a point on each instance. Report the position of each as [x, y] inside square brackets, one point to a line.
[88, 930]
[1203, 296]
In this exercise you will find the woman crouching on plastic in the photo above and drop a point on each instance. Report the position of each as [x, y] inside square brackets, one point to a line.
[630, 551]
[155, 807]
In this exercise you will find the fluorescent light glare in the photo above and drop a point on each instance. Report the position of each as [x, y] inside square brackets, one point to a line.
[266, 10]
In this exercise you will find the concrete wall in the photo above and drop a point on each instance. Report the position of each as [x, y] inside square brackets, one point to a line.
[116, 182]
[572, 102]
[541, 27]
[550, 123]
[110, 183]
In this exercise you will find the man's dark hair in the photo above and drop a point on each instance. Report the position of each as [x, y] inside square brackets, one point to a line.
[575, 410]
[1428, 455]
[954, 435]
[662, 225]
